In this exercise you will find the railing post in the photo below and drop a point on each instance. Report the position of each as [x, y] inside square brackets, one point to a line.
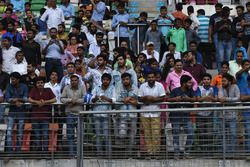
[224, 137]
[52, 144]
[79, 142]
[118, 35]
[138, 39]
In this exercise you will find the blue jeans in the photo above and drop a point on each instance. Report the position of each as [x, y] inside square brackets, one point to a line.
[71, 125]
[186, 123]
[125, 125]
[41, 134]
[53, 64]
[215, 40]
[224, 52]
[102, 133]
[10, 126]
[230, 134]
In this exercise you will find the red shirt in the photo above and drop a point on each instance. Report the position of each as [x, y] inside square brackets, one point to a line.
[43, 112]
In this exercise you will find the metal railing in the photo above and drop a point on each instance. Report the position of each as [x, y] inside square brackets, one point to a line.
[138, 32]
[118, 136]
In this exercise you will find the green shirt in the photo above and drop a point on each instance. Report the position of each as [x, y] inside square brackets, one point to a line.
[178, 36]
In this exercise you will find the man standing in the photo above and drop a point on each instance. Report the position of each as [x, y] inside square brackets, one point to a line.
[53, 16]
[16, 95]
[8, 54]
[53, 52]
[104, 93]
[127, 121]
[42, 98]
[96, 74]
[246, 24]
[73, 96]
[182, 119]
[149, 93]
[32, 50]
[121, 19]
[196, 70]
[173, 78]
[116, 74]
[229, 92]
[99, 9]
[235, 65]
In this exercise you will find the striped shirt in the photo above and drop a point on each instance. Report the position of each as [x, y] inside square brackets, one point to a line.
[203, 28]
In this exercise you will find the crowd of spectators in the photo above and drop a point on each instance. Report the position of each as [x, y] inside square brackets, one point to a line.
[42, 63]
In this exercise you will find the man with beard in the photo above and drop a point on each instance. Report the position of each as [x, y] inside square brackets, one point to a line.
[95, 48]
[96, 74]
[31, 49]
[182, 119]
[149, 93]
[191, 66]
[122, 68]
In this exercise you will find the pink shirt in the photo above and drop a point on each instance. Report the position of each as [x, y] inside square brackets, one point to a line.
[173, 80]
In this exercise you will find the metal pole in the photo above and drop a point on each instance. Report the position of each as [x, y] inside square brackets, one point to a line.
[79, 143]
[52, 144]
[224, 137]
[118, 35]
[138, 39]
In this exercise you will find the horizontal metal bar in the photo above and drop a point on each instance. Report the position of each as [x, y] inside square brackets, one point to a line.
[167, 110]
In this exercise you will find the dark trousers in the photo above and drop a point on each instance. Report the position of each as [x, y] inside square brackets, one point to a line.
[53, 65]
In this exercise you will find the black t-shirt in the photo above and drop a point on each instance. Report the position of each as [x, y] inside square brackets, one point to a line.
[236, 27]
[224, 34]
[178, 92]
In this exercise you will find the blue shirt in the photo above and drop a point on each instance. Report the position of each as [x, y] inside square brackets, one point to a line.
[42, 24]
[18, 5]
[13, 92]
[203, 28]
[68, 11]
[123, 29]
[99, 12]
[161, 20]
[18, 39]
[245, 91]
[102, 105]
[242, 80]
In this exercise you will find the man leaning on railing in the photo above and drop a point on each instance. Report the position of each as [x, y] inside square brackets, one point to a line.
[16, 95]
[151, 92]
[73, 96]
[42, 98]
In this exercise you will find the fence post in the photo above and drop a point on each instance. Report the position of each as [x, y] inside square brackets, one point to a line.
[138, 39]
[224, 137]
[118, 35]
[79, 142]
[52, 135]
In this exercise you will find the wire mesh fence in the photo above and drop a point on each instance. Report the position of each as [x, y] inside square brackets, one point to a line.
[211, 136]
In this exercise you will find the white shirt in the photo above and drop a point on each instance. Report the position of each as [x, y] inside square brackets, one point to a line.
[56, 89]
[94, 49]
[195, 21]
[9, 58]
[20, 68]
[91, 38]
[234, 67]
[53, 17]
[96, 75]
[155, 55]
[156, 90]
[177, 55]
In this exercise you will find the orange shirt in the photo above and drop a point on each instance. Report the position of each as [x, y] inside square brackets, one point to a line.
[180, 15]
[217, 81]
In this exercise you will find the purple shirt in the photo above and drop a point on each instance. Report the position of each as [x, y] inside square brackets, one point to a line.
[173, 80]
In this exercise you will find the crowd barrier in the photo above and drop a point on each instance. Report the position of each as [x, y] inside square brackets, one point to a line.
[218, 131]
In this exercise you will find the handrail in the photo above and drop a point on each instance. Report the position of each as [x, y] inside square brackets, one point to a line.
[167, 110]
